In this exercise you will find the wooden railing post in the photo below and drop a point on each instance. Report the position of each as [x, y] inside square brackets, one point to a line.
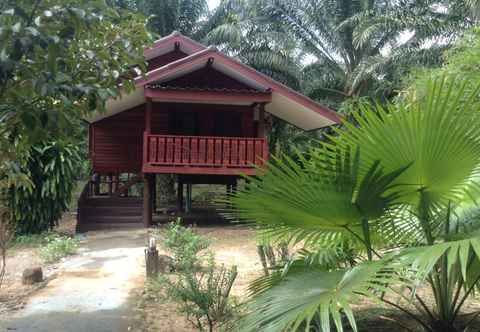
[261, 121]
[145, 148]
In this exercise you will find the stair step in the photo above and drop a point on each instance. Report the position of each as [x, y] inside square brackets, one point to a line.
[113, 219]
[85, 227]
[110, 211]
[112, 202]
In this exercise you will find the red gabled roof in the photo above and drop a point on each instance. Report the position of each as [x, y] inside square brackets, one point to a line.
[246, 71]
[286, 103]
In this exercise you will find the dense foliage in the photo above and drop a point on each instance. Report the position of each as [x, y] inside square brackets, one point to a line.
[62, 59]
[59, 60]
[461, 60]
[361, 49]
[52, 168]
[399, 185]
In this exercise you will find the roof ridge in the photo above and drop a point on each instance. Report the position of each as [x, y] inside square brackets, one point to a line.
[176, 62]
[173, 35]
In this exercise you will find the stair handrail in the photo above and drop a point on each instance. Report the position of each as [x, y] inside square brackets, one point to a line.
[86, 192]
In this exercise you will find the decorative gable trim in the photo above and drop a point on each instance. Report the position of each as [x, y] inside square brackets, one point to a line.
[171, 42]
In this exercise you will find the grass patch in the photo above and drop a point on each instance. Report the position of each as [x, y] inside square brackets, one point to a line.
[57, 248]
[31, 240]
[53, 246]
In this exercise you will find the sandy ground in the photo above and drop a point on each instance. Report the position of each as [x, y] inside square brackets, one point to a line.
[89, 291]
[13, 294]
[101, 288]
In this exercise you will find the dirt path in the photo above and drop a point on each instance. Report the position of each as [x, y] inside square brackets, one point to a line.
[91, 291]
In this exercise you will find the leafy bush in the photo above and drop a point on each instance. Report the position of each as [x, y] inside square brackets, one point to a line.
[31, 240]
[200, 287]
[203, 296]
[58, 247]
[52, 168]
[183, 244]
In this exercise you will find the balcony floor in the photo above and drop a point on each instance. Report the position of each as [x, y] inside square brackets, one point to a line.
[162, 169]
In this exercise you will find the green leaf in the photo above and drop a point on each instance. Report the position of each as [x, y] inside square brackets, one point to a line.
[283, 303]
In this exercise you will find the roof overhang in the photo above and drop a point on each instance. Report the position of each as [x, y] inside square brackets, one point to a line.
[126, 101]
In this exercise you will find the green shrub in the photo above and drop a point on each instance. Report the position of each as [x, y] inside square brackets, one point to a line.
[183, 244]
[200, 288]
[203, 295]
[52, 167]
[57, 247]
[31, 240]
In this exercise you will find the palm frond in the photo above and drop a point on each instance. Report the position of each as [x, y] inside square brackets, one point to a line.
[434, 133]
[288, 301]
[319, 200]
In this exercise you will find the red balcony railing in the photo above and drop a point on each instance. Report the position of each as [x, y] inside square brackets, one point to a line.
[203, 154]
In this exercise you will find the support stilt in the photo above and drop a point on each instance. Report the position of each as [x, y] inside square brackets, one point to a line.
[180, 196]
[110, 184]
[188, 205]
[154, 193]
[147, 200]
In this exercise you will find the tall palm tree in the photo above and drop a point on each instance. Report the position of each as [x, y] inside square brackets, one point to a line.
[166, 16]
[362, 48]
[401, 178]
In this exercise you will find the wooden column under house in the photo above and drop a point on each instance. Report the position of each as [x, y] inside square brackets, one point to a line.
[198, 114]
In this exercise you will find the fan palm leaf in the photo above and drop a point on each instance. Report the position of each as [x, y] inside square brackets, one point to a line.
[288, 301]
[435, 134]
[318, 201]
[408, 186]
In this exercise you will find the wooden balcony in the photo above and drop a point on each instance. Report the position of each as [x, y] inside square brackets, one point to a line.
[203, 154]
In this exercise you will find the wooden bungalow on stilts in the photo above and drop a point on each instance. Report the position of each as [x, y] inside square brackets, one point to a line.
[197, 113]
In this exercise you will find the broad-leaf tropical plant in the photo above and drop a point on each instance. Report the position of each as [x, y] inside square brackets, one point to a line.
[401, 199]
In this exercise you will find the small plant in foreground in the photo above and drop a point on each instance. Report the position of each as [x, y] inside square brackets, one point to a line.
[200, 287]
[203, 296]
[31, 240]
[58, 247]
[183, 244]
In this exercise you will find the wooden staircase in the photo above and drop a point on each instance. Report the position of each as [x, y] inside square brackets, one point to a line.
[108, 212]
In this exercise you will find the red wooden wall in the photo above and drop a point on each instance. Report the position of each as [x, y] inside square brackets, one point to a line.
[207, 77]
[116, 142]
[165, 58]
